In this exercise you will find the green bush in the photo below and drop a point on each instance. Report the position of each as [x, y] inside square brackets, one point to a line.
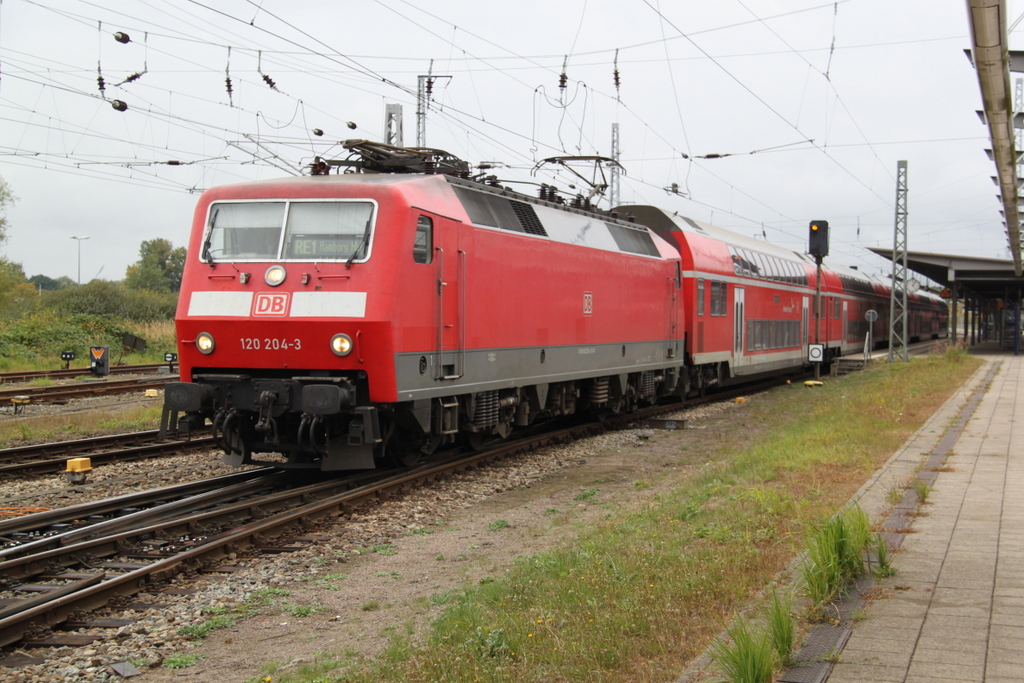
[42, 336]
[109, 299]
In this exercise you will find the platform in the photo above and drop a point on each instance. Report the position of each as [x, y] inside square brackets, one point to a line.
[954, 611]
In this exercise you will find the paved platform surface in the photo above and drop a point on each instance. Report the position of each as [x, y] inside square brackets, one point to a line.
[955, 609]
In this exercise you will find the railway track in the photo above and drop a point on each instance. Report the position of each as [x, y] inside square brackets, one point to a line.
[57, 566]
[63, 392]
[102, 450]
[71, 373]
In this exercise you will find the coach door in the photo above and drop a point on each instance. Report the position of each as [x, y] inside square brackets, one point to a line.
[450, 357]
[805, 325]
[739, 325]
[846, 327]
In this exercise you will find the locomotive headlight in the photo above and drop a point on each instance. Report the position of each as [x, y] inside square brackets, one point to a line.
[204, 342]
[341, 344]
[275, 275]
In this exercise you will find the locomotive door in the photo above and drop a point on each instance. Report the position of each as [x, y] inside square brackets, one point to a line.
[739, 324]
[450, 359]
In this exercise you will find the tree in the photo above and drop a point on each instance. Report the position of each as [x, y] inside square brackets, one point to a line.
[17, 296]
[159, 268]
[45, 283]
[6, 197]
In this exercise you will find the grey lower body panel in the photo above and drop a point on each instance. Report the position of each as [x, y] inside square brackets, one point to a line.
[490, 369]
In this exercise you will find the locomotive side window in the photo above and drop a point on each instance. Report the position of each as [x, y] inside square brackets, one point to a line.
[423, 244]
[700, 296]
[328, 230]
[244, 231]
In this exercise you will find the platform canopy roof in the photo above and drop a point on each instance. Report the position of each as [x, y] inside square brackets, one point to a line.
[991, 278]
[993, 60]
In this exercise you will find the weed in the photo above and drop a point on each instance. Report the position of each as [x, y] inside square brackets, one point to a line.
[371, 606]
[883, 564]
[497, 525]
[781, 625]
[393, 575]
[748, 657]
[203, 628]
[587, 494]
[442, 598]
[264, 596]
[834, 556]
[439, 558]
[180, 660]
[922, 489]
[419, 532]
[383, 549]
[551, 511]
[301, 610]
[895, 494]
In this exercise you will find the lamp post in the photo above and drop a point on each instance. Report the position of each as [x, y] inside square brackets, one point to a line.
[79, 240]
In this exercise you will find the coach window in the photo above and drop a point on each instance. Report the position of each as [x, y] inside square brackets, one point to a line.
[700, 296]
[423, 245]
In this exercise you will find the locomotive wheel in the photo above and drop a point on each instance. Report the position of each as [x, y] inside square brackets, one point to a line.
[476, 440]
[401, 450]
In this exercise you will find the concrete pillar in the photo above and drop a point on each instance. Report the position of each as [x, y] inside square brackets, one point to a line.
[952, 322]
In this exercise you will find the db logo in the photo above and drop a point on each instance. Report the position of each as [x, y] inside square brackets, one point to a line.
[270, 304]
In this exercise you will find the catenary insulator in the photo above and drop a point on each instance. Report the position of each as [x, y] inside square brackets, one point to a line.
[122, 37]
[317, 132]
[351, 124]
[119, 105]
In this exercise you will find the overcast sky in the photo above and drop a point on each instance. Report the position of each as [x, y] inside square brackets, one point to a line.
[814, 101]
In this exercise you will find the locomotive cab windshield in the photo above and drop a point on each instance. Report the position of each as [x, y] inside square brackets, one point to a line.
[336, 230]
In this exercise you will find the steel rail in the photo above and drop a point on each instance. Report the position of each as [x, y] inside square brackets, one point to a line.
[217, 493]
[39, 458]
[59, 392]
[62, 373]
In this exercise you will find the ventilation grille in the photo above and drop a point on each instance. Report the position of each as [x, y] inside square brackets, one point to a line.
[528, 218]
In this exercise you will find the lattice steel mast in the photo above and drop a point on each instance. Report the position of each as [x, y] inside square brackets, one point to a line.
[898, 295]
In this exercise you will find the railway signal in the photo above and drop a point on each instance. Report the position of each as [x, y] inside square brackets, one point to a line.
[818, 240]
[99, 360]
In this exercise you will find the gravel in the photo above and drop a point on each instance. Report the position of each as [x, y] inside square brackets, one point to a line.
[153, 634]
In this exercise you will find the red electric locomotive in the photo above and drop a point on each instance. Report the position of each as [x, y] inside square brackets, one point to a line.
[341, 320]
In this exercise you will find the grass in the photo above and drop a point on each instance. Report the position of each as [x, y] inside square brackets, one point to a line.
[883, 564]
[180, 660]
[922, 489]
[68, 426]
[646, 589]
[204, 628]
[748, 655]
[781, 626]
[834, 557]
